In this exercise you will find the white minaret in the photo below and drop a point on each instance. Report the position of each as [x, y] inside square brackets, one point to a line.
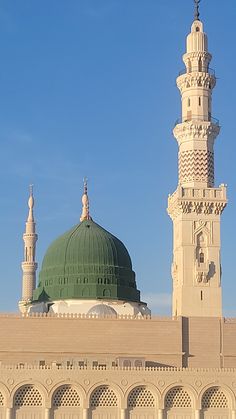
[29, 266]
[196, 205]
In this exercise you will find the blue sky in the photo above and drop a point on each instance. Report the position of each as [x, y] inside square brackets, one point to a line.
[87, 88]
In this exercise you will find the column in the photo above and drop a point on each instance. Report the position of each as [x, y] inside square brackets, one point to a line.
[233, 414]
[122, 413]
[85, 413]
[8, 413]
[197, 414]
[160, 414]
[47, 413]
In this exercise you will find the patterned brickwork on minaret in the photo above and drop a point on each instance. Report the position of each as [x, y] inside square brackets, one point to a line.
[196, 206]
[29, 266]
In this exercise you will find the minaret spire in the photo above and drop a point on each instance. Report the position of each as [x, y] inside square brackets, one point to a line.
[85, 203]
[196, 13]
[29, 266]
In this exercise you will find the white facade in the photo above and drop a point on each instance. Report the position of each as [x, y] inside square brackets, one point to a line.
[196, 205]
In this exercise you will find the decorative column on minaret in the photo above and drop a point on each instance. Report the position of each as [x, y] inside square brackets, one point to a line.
[196, 205]
[29, 266]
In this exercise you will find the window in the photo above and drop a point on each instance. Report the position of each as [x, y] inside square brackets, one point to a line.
[189, 102]
[127, 363]
[103, 397]
[201, 257]
[66, 396]
[199, 101]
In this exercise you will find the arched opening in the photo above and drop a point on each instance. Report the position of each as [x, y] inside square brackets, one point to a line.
[201, 248]
[215, 404]
[178, 404]
[28, 403]
[201, 257]
[66, 403]
[104, 403]
[141, 403]
[106, 293]
[200, 64]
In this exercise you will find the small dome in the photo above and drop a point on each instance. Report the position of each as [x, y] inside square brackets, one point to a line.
[87, 262]
[102, 310]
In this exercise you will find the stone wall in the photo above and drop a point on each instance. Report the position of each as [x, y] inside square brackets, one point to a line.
[31, 392]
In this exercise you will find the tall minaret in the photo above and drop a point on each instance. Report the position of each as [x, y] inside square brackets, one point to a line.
[29, 266]
[196, 205]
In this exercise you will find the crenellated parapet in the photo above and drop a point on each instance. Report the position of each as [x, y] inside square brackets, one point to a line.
[198, 201]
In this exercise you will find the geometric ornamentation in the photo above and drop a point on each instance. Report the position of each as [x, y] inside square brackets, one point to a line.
[104, 396]
[28, 396]
[141, 397]
[177, 397]
[214, 397]
[66, 396]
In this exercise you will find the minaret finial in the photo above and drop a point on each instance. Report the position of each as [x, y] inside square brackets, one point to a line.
[196, 13]
[31, 189]
[31, 204]
[85, 203]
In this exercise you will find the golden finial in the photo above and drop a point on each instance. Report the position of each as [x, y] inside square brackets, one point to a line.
[85, 203]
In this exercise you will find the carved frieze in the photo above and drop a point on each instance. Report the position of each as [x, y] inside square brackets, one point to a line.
[195, 79]
[208, 201]
[195, 130]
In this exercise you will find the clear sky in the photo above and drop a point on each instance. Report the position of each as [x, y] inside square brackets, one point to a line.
[87, 88]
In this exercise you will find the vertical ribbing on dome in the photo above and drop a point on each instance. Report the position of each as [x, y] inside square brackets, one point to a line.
[85, 203]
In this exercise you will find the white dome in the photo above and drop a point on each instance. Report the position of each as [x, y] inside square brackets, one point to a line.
[102, 310]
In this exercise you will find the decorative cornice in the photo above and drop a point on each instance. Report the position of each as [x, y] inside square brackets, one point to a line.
[199, 201]
[196, 130]
[195, 79]
[197, 54]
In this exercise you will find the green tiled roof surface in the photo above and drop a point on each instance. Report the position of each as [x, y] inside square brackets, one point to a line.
[87, 262]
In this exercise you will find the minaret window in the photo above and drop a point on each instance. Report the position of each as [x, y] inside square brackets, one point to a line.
[200, 65]
[189, 102]
[197, 29]
[201, 257]
[199, 101]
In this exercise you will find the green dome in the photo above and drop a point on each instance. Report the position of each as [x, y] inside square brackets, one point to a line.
[87, 262]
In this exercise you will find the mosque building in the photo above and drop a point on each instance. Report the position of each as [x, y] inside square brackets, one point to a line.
[85, 345]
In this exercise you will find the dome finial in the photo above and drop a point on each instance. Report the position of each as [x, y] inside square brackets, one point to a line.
[196, 13]
[85, 203]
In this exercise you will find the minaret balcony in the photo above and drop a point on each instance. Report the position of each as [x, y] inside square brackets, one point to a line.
[198, 118]
[207, 70]
[193, 200]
